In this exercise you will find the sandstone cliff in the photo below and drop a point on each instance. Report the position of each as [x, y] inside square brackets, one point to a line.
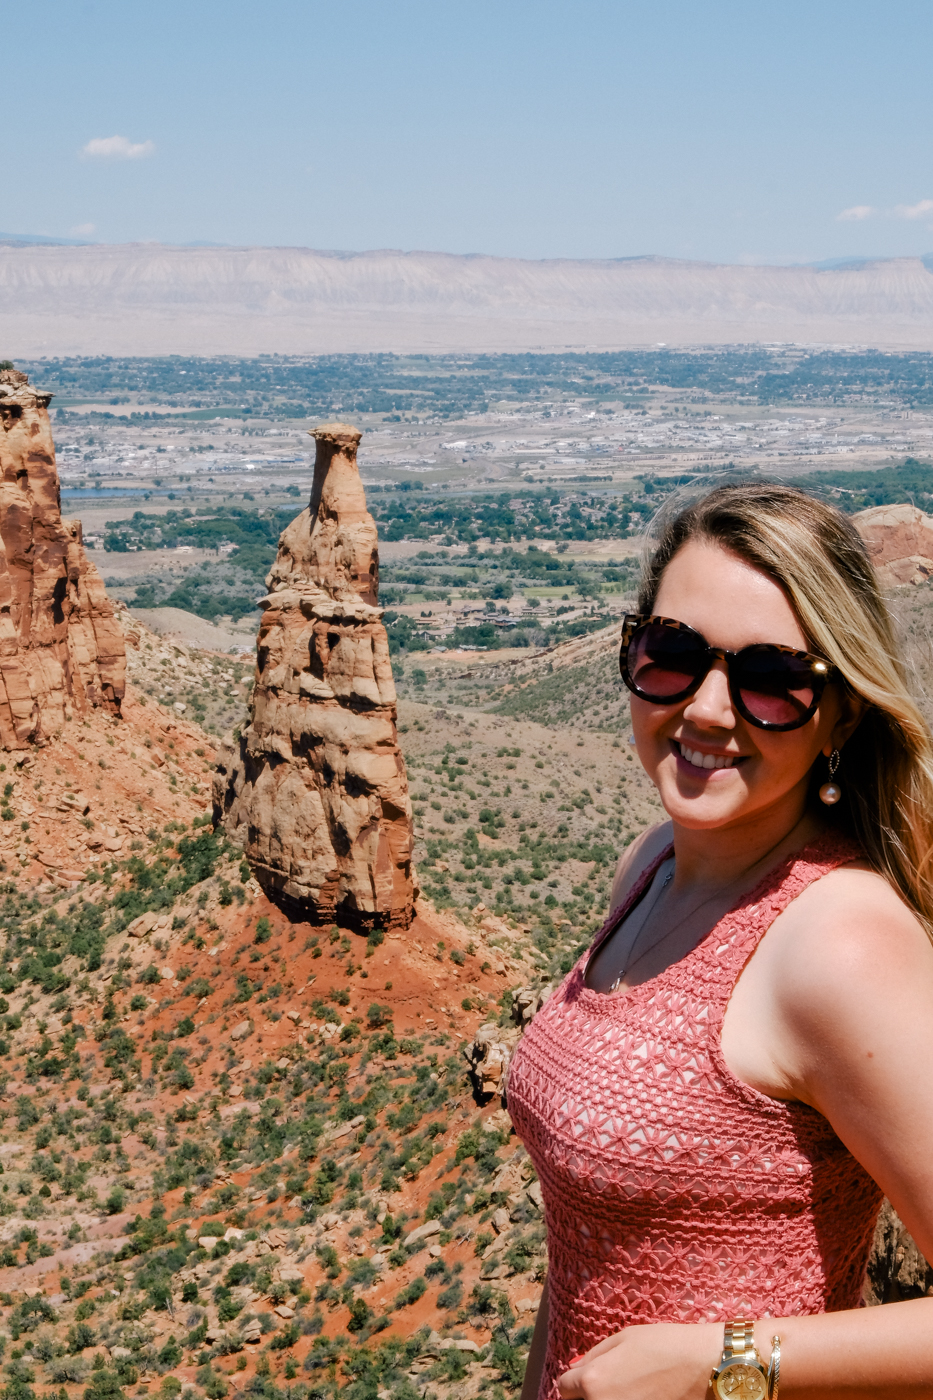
[61, 647]
[316, 791]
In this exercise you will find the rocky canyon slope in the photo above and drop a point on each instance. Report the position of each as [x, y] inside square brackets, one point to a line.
[316, 792]
[61, 649]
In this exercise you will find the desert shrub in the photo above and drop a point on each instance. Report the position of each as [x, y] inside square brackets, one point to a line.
[79, 1336]
[415, 1290]
[104, 1385]
[213, 1385]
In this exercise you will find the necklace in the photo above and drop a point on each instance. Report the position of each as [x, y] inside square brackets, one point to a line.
[614, 986]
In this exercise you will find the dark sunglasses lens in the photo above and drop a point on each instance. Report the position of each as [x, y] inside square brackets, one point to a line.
[775, 688]
[664, 661]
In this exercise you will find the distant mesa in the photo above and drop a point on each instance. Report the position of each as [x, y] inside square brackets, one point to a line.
[61, 646]
[315, 791]
[150, 299]
[900, 542]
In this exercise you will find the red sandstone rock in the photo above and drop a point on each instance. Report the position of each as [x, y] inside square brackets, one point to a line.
[317, 792]
[900, 542]
[61, 646]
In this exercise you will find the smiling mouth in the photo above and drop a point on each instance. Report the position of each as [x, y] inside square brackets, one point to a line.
[706, 760]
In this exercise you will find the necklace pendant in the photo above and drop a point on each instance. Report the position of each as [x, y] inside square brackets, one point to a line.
[614, 987]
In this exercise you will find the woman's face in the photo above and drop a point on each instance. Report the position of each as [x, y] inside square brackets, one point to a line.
[732, 605]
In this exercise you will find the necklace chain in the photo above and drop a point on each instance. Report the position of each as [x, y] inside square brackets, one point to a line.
[614, 987]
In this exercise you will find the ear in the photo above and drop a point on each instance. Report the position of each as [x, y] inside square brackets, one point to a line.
[851, 709]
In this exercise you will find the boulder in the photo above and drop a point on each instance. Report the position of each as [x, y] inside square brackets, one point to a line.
[61, 644]
[528, 1001]
[315, 792]
[488, 1056]
[899, 540]
[423, 1232]
[896, 1269]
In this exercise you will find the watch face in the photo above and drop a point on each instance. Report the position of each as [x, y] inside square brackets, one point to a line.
[740, 1382]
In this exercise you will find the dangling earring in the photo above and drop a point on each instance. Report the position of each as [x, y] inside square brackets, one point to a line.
[831, 792]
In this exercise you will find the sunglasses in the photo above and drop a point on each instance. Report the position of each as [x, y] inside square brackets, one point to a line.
[773, 687]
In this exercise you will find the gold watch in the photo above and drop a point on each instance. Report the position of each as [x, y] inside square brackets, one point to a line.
[740, 1373]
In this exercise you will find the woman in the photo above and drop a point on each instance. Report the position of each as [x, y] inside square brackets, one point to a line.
[721, 1090]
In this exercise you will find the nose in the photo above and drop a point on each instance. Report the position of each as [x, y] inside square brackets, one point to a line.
[710, 707]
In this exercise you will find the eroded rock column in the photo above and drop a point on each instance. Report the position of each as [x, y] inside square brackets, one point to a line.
[316, 790]
[61, 645]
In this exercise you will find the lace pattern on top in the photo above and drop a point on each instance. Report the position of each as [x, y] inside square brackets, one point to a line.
[673, 1191]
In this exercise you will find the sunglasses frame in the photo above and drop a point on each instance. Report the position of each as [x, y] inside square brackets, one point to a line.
[821, 669]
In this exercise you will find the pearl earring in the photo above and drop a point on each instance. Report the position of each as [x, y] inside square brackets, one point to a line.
[831, 792]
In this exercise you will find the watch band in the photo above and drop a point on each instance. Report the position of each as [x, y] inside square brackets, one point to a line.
[739, 1342]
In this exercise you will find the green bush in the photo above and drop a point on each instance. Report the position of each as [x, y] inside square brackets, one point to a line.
[79, 1336]
[104, 1385]
[213, 1385]
[115, 1201]
[170, 1354]
[451, 1297]
[286, 1337]
[415, 1290]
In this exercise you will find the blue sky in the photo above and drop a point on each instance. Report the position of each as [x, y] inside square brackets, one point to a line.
[759, 132]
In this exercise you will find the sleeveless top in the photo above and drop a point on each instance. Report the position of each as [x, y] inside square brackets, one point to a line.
[674, 1192]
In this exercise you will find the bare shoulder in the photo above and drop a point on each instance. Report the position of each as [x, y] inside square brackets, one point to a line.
[848, 950]
[636, 857]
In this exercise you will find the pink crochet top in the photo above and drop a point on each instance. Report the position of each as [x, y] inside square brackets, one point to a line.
[674, 1192]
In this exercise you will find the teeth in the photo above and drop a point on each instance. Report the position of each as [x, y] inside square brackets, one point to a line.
[706, 760]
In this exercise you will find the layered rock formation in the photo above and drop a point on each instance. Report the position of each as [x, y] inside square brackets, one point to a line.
[900, 542]
[61, 646]
[316, 791]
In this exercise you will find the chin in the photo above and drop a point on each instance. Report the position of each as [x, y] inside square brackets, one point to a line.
[703, 811]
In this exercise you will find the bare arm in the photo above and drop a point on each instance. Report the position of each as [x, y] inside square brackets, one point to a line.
[535, 1366]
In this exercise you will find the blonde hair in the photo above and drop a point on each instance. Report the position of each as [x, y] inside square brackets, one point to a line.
[819, 559]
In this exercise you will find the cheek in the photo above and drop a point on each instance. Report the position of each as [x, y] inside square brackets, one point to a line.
[784, 757]
[646, 718]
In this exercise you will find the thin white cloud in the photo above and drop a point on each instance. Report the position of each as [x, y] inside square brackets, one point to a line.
[856, 214]
[116, 148]
[82, 230]
[914, 211]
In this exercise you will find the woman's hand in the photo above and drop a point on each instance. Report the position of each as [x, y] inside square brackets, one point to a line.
[662, 1361]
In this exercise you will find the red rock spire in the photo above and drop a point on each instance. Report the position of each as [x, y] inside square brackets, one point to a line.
[316, 792]
[61, 646]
